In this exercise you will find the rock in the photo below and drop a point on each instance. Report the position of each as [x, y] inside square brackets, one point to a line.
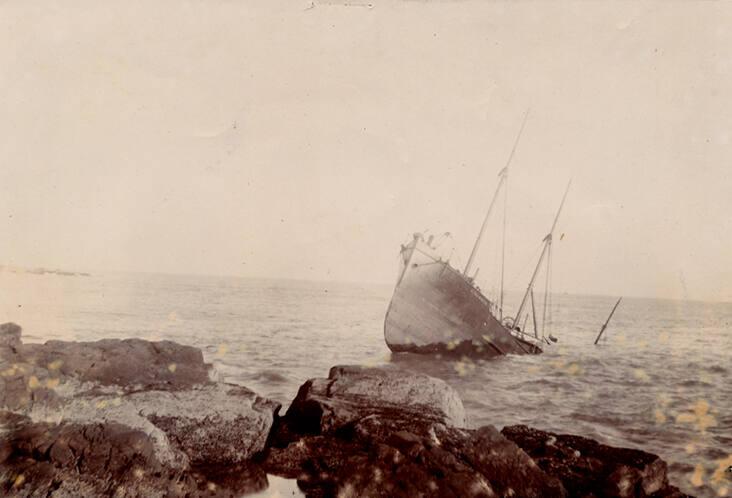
[207, 424]
[129, 418]
[23, 384]
[507, 465]
[387, 432]
[125, 418]
[100, 460]
[9, 341]
[130, 363]
[102, 449]
[351, 392]
[588, 468]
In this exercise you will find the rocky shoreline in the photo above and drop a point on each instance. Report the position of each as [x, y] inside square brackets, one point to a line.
[137, 418]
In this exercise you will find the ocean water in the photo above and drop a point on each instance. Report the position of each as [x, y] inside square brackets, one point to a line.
[661, 381]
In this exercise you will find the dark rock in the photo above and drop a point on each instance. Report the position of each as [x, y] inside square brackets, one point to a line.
[23, 384]
[110, 460]
[352, 392]
[588, 468]
[99, 449]
[386, 432]
[9, 341]
[510, 467]
[131, 418]
[125, 418]
[128, 363]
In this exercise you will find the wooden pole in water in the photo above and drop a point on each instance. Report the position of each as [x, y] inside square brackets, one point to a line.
[608, 320]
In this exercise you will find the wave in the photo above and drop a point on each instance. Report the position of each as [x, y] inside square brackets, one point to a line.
[268, 376]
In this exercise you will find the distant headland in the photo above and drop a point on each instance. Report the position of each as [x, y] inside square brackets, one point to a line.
[42, 271]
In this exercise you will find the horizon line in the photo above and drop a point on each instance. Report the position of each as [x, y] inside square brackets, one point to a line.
[88, 272]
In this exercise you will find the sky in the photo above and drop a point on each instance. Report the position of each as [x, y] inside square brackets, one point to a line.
[308, 140]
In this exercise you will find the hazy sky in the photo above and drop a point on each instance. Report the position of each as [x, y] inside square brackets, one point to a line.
[273, 139]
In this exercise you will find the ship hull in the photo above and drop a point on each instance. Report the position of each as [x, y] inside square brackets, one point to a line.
[434, 309]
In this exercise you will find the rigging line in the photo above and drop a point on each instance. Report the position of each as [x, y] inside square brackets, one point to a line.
[496, 265]
[551, 296]
[520, 273]
[503, 174]
[487, 280]
[417, 265]
[533, 315]
[546, 286]
[550, 317]
[515, 144]
[505, 205]
[547, 248]
[503, 243]
[434, 259]
[474, 251]
[550, 291]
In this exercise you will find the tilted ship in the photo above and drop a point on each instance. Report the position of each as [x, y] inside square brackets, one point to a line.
[437, 308]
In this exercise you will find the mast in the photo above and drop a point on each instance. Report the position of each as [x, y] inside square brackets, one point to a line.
[503, 174]
[547, 247]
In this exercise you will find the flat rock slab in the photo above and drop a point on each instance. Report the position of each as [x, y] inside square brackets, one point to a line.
[128, 362]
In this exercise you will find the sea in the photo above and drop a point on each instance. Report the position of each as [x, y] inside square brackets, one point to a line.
[659, 380]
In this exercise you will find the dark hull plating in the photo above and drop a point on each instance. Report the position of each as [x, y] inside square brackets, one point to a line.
[434, 309]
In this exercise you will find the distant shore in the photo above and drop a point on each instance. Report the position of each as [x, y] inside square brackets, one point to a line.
[42, 271]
